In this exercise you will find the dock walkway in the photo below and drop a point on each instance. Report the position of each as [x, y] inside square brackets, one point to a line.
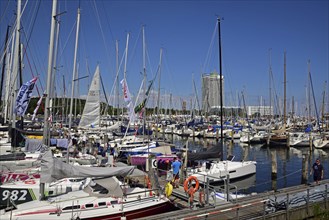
[257, 206]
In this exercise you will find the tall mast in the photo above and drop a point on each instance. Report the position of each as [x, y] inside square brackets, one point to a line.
[3, 68]
[54, 69]
[284, 92]
[270, 84]
[323, 100]
[125, 74]
[49, 73]
[158, 102]
[221, 87]
[117, 75]
[309, 90]
[49, 77]
[144, 74]
[15, 72]
[74, 67]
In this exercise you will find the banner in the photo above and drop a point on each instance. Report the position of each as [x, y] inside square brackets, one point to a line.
[24, 96]
[127, 99]
[126, 94]
[139, 107]
[36, 108]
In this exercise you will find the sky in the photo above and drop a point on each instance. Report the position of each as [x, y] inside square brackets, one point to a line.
[254, 36]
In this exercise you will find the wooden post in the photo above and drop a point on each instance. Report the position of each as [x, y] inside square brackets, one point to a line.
[274, 169]
[304, 169]
[311, 142]
[287, 207]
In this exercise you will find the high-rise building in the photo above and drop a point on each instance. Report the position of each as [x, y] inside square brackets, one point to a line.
[211, 91]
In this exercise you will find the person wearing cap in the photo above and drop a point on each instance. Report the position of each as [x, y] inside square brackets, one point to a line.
[317, 170]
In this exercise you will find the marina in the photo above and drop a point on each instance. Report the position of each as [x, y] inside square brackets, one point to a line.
[125, 153]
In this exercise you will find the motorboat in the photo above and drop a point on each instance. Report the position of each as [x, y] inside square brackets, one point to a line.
[219, 170]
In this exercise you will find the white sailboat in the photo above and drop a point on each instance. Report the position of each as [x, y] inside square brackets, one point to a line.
[216, 171]
[102, 198]
[91, 113]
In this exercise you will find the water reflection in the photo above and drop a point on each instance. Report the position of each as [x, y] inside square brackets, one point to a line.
[292, 164]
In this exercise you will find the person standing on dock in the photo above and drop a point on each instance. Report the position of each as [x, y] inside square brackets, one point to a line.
[317, 170]
[176, 165]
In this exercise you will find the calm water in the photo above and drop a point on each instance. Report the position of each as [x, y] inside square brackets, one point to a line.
[289, 162]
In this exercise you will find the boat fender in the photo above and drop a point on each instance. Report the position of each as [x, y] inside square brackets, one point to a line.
[148, 183]
[188, 187]
[201, 197]
[29, 181]
[168, 189]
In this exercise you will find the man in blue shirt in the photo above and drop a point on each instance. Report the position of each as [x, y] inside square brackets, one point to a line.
[317, 170]
[176, 165]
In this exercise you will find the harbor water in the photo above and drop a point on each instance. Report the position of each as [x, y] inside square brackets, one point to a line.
[290, 162]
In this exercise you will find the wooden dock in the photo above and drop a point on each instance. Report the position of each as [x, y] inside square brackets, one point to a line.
[249, 207]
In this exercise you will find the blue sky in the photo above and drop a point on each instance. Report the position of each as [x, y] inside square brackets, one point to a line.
[186, 32]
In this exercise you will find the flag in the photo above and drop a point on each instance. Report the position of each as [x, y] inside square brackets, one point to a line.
[36, 108]
[127, 99]
[24, 96]
[139, 107]
[126, 94]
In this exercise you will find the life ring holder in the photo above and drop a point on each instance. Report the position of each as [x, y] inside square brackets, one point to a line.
[188, 187]
[30, 181]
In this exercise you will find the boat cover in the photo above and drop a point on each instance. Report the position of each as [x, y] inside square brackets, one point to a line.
[53, 169]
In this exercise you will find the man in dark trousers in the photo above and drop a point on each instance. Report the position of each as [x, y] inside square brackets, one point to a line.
[176, 165]
[317, 170]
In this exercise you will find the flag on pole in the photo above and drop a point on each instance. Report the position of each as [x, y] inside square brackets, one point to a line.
[36, 108]
[126, 94]
[24, 96]
[139, 107]
[127, 99]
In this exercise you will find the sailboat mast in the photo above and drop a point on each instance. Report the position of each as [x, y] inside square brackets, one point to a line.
[15, 72]
[221, 87]
[284, 92]
[3, 68]
[309, 90]
[144, 74]
[117, 75]
[158, 102]
[270, 82]
[323, 100]
[125, 75]
[74, 67]
[49, 73]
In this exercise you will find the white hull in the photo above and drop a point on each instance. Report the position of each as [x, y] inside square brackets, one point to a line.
[80, 205]
[219, 171]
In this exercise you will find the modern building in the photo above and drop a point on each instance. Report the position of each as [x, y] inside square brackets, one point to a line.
[211, 91]
[261, 110]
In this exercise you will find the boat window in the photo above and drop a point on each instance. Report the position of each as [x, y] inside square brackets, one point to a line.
[90, 205]
[101, 203]
[98, 188]
[114, 202]
[71, 207]
[76, 180]
[233, 171]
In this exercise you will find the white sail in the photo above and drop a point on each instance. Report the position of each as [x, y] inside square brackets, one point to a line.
[91, 113]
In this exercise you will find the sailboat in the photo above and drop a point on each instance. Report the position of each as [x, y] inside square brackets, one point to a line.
[279, 137]
[91, 113]
[104, 197]
[219, 170]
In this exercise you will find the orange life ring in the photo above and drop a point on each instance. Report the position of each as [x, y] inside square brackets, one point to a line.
[29, 181]
[188, 182]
